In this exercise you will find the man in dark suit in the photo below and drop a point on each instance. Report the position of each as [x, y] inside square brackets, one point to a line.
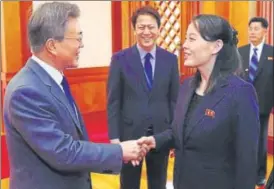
[142, 91]
[270, 181]
[258, 65]
[47, 142]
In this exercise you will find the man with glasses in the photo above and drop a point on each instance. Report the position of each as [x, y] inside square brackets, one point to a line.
[142, 91]
[47, 141]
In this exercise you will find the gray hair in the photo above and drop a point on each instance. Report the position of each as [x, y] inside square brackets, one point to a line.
[49, 20]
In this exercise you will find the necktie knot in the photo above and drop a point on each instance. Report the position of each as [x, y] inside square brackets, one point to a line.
[67, 91]
[148, 56]
[255, 50]
[64, 82]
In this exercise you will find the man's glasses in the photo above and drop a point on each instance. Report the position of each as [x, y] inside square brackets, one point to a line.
[79, 39]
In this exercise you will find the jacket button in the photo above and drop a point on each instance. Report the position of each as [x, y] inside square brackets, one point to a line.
[108, 171]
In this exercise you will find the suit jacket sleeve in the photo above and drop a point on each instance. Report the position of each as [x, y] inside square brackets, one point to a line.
[246, 137]
[170, 137]
[114, 92]
[164, 139]
[174, 86]
[39, 124]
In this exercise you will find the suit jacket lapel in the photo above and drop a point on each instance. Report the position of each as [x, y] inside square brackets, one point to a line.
[135, 61]
[209, 101]
[59, 95]
[245, 56]
[159, 69]
[261, 62]
[54, 89]
[184, 98]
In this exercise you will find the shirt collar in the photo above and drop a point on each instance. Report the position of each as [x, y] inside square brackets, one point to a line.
[56, 75]
[143, 52]
[259, 47]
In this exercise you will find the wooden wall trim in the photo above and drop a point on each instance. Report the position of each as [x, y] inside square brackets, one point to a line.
[189, 10]
[25, 13]
[10, 37]
[116, 17]
[82, 75]
[86, 71]
[265, 10]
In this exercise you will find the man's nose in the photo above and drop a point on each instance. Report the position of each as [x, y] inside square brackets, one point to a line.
[146, 31]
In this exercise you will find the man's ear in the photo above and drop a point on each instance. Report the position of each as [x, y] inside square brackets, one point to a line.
[265, 32]
[133, 29]
[51, 46]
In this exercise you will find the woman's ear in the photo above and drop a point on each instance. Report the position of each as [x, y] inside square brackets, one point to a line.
[218, 45]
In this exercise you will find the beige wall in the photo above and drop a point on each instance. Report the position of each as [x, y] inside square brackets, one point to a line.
[95, 21]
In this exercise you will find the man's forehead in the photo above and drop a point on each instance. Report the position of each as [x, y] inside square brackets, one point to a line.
[256, 24]
[73, 27]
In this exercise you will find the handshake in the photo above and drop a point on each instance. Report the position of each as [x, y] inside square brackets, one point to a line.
[135, 150]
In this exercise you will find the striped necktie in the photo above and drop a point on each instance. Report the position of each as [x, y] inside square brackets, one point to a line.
[253, 66]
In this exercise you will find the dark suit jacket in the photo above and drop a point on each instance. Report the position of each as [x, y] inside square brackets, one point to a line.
[220, 151]
[263, 82]
[47, 145]
[270, 181]
[132, 108]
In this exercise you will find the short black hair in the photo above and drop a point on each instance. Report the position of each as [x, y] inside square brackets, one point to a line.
[262, 20]
[146, 10]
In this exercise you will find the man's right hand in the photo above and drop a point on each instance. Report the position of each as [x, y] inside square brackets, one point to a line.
[133, 152]
[149, 141]
[115, 141]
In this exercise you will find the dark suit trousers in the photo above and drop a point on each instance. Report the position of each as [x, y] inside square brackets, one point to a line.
[270, 181]
[262, 150]
[156, 163]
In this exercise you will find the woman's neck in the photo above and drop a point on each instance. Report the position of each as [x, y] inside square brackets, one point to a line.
[205, 73]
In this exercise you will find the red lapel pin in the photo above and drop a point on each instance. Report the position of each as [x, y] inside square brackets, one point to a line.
[210, 113]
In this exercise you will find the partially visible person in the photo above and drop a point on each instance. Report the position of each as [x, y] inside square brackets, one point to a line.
[142, 91]
[258, 65]
[270, 181]
[215, 129]
[47, 141]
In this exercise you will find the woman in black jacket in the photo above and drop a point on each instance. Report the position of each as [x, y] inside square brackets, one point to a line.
[215, 129]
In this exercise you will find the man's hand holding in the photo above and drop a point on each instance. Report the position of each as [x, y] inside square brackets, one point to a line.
[148, 141]
[133, 152]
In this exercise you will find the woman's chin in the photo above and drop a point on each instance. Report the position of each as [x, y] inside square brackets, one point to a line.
[189, 64]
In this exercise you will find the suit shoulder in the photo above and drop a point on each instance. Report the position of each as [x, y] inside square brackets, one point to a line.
[240, 88]
[24, 77]
[121, 53]
[166, 52]
[118, 57]
[24, 85]
[237, 82]
[186, 82]
[243, 47]
[269, 47]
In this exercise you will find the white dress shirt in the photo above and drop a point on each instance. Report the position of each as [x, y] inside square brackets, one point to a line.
[259, 51]
[56, 75]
